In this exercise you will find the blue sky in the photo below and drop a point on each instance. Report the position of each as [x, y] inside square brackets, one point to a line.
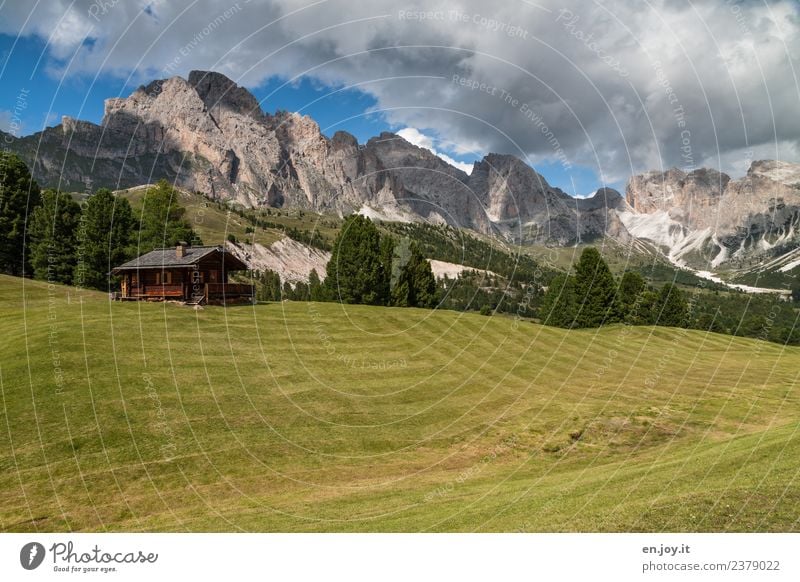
[25, 66]
[614, 89]
[28, 65]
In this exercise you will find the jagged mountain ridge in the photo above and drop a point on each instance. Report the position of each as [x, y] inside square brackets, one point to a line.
[706, 219]
[207, 134]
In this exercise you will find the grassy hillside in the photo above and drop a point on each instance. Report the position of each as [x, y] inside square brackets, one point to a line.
[321, 417]
[212, 222]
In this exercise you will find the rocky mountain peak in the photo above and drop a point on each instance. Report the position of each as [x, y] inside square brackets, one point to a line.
[704, 215]
[708, 198]
[507, 172]
[396, 152]
[504, 162]
[520, 203]
[208, 134]
[166, 96]
[152, 89]
[782, 172]
[296, 130]
[391, 143]
[219, 92]
[344, 140]
[707, 178]
[511, 170]
[661, 191]
[603, 198]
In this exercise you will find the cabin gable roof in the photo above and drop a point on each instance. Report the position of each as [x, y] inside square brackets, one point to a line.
[168, 258]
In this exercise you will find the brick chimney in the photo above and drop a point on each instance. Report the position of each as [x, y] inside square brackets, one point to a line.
[180, 250]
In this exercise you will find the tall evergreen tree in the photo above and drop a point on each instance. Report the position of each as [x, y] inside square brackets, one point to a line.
[595, 290]
[161, 220]
[796, 291]
[315, 289]
[355, 271]
[673, 310]
[559, 305]
[631, 288]
[301, 292]
[710, 322]
[103, 239]
[424, 280]
[19, 196]
[401, 254]
[287, 293]
[647, 309]
[54, 237]
[415, 285]
[269, 286]
[387, 264]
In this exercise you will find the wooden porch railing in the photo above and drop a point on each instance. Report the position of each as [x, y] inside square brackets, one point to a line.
[156, 291]
[231, 290]
[188, 291]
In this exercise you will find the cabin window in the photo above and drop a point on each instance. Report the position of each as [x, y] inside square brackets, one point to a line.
[163, 277]
[213, 276]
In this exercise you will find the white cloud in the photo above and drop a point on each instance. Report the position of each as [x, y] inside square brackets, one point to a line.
[10, 123]
[615, 85]
[5, 119]
[735, 163]
[419, 139]
[416, 137]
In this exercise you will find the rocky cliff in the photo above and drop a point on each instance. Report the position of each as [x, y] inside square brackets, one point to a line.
[706, 215]
[207, 134]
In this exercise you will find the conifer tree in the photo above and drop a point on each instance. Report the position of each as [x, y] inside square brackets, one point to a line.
[103, 238]
[387, 251]
[19, 196]
[315, 288]
[355, 271]
[423, 278]
[796, 291]
[161, 220]
[415, 285]
[269, 286]
[631, 288]
[53, 237]
[647, 309]
[287, 293]
[673, 311]
[559, 305]
[595, 291]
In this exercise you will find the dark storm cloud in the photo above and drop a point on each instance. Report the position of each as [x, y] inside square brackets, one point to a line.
[618, 86]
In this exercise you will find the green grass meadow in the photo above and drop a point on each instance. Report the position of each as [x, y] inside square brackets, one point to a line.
[324, 417]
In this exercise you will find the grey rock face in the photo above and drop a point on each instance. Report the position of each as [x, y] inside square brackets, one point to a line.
[522, 205]
[748, 216]
[689, 198]
[207, 134]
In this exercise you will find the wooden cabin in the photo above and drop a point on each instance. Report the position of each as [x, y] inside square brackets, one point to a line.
[185, 273]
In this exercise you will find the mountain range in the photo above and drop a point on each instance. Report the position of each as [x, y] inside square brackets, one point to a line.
[207, 134]
[708, 220]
